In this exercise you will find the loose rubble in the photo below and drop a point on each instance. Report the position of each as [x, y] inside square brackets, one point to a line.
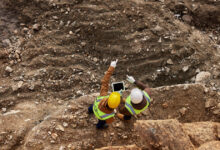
[8, 69]
[53, 55]
[173, 135]
[202, 77]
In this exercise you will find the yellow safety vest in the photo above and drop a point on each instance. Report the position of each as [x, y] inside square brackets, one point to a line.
[131, 109]
[98, 113]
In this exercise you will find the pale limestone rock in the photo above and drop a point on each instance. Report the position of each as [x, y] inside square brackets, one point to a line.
[130, 147]
[163, 134]
[213, 145]
[203, 76]
[201, 132]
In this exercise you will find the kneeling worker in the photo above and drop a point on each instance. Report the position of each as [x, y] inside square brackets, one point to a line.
[104, 105]
[136, 102]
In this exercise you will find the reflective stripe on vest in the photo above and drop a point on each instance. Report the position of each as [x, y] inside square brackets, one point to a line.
[147, 97]
[98, 113]
[131, 109]
[106, 115]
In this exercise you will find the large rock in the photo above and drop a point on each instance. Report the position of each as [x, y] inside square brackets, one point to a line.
[130, 147]
[187, 18]
[14, 124]
[8, 69]
[218, 130]
[216, 112]
[202, 77]
[163, 134]
[213, 145]
[36, 27]
[202, 132]
[210, 103]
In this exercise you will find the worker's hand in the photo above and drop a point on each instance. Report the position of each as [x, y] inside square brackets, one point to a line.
[113, 63]
[130, 79]
[120, 92]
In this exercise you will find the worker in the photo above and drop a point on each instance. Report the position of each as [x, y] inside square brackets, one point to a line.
[104, 106]
[136, 102]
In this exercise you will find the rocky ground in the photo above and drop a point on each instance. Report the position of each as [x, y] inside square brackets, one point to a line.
[66, 125]
[53, 54]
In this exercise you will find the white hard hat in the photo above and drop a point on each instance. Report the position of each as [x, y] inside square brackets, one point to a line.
[136, 96]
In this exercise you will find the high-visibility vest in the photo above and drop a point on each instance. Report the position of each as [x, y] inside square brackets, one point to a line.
[98, 113]
[134, 111]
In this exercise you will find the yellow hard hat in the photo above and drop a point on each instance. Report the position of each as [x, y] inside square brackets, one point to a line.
[114, 100]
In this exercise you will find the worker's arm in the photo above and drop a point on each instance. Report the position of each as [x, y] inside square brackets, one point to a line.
[106, 78]
[143, 86]
[139, 84]
[123, 110]
[110, 120]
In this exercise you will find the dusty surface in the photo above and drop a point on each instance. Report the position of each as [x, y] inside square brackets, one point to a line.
[171, 135]
[214, 145]
[62, 124]
[202, 132]
[52, 52]
[152, 135]
[130, 147]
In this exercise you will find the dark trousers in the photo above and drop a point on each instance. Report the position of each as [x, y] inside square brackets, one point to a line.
[101, 123]
[127, 117]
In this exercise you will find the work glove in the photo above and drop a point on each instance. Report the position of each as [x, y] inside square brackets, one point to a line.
[130, 79]
[113, 63]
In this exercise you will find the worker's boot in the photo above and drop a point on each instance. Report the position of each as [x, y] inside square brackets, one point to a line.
[105, 126]
[120, 116]
[90, 109]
